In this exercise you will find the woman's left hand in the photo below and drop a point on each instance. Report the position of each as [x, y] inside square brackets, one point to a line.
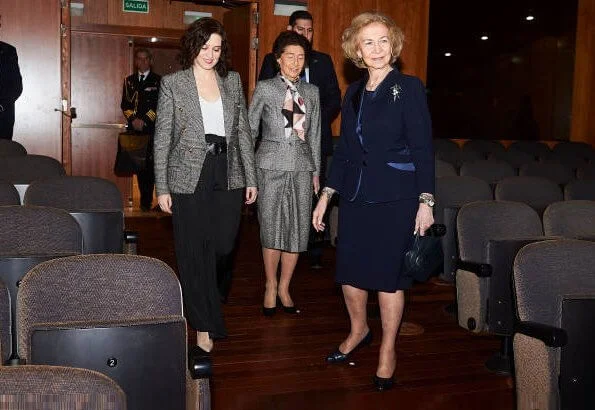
[316, 184]
[424, 219]
[251, 194]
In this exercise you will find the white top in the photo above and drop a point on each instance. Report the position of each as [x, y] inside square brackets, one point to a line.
[212, 116]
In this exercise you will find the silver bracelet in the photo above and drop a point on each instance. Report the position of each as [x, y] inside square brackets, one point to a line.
[428, 199]
[329, 192]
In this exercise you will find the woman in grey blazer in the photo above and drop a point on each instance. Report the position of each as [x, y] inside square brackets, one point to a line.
[201, 143]
[287, 163]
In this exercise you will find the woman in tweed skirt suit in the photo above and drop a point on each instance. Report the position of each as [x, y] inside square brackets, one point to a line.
[287, 165]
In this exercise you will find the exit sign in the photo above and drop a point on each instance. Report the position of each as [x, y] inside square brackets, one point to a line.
[135, 6]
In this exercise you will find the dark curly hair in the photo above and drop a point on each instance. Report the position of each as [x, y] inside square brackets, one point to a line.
[196, 36]
[290, 38]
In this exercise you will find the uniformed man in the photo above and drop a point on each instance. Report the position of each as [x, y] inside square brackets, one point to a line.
[139, 104]
[11, 87]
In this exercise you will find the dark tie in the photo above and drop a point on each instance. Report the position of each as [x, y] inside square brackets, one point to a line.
[141, 78]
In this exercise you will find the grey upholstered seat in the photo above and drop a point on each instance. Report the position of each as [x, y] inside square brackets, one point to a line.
[515, 158]
[8, 194]
[537, 192]
[29, 236]
[444, 144]
[559, 173]
[483, 147]
[132, 307]
[479, 225]
[445, 169]
[5, 323]
[58, 387]
[95, 203]
[22, 170]
[539, 150]
[580, 189]
[570, 219]
[586, 171]
[488, 170]
[10, 148]
[452, 192]
[573, 152]
[550, 277]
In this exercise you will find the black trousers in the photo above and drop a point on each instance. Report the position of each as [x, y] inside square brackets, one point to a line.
[205, 229]
[146, 183]
[316, 239]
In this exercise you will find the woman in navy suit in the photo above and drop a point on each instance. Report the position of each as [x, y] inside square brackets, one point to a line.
[383, 171]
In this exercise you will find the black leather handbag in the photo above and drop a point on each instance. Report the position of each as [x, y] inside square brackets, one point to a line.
[425, 254]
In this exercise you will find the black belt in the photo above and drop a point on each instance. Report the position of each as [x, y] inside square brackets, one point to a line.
[216, 145]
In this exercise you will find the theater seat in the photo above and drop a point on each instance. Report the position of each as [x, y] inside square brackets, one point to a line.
[95, 203]
[8, 194]
[120, 315]
[5, 323]
[570, 219]
[29, 236]
[22, 170]
[58, 387]
[537, 192]
[10, 148]
[554, 284]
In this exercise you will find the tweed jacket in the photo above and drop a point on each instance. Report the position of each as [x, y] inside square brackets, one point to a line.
[276, 152]
[180, 147]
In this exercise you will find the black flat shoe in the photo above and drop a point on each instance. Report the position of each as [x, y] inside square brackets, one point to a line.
[382, 383]
[339, 357]
[199, 363]
[269, 311]
[287, 309]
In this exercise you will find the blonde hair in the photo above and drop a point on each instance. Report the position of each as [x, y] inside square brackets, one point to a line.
[350, 40]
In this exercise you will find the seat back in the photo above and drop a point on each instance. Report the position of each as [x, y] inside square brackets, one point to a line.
[95, 203]
[22, 170]
[9, 195]
[488, 170]
[539, 150]
[573, 152]
[546, 273]
[570, 219]
[5, 323]
[10, 148]
[552, 170]
[31, 235]
[484, 147]
[586, 172]
[444, 169]
[452, 192]
[115, 299]
[580, 189]
[537, 192]
[514, 157]
[35, 387]
[477, 224]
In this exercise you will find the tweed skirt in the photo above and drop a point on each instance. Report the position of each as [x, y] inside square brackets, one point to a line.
[284, 209]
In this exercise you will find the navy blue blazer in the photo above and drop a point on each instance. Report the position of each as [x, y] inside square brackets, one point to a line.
[394, 159]
[322, 75]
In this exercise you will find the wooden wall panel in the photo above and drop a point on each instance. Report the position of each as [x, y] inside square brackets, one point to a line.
[95, 12]
[33, 27]
[99, 65]
[583, 102]
[269, 28]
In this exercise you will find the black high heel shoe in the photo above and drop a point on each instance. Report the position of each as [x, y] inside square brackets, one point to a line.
[199, 363]
[383, 383]
[269, 311]
[339, 357]
[287, 309]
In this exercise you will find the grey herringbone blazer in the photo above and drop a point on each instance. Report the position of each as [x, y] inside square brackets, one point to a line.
[276, 152]
[180, 147]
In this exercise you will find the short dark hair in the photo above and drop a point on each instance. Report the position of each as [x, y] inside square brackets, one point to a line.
[143, 50]
[290, 38]
[299, 15]
[196, 36]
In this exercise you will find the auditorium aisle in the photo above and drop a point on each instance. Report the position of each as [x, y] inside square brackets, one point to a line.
[278, 363]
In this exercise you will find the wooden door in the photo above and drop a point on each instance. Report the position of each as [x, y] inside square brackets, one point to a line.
[241, 26]
[99, 65]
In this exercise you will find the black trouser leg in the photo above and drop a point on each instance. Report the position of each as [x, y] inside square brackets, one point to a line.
[316, 239]
[146, 183]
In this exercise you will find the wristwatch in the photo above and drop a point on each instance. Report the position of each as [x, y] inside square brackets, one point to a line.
[427, 199]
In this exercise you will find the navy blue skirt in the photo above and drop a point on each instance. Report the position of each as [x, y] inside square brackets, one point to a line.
[371, 241]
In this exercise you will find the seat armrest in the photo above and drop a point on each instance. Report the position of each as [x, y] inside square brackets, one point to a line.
[130, 242]
[481, 270]
[550, 335]
[130, 237]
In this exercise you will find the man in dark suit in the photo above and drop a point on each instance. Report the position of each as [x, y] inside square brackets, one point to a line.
[11, 87]
[320, 72]
[139, 104]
